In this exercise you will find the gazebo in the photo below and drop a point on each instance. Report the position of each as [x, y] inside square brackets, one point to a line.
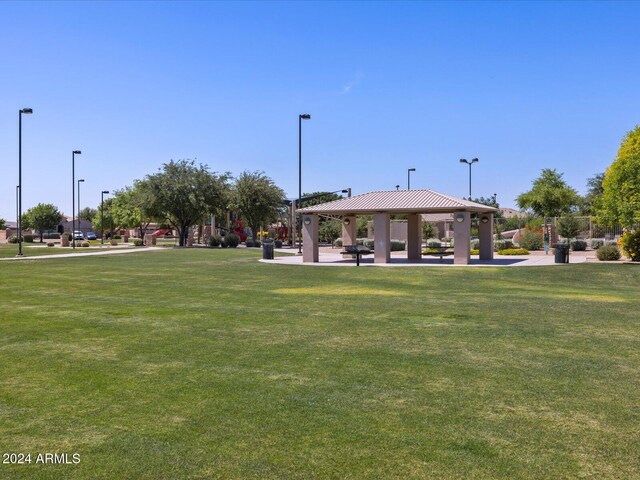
[412, 203]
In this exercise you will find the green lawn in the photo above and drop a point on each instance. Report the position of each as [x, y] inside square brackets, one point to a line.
[208, 364]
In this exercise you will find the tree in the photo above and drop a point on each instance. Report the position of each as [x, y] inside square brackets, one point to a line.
[568, 227]
[257, 198]
[131, 210]
[621, 185]
[42, 217]
[185, 194]
[550, 195]
[105, 216]
[593, 198]
[87, 214]
[3, 222]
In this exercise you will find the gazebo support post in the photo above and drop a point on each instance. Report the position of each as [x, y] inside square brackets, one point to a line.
[485, 236]
[414, 237]
[349, 232]
[310, 238]
[461, 238]
[381, 238]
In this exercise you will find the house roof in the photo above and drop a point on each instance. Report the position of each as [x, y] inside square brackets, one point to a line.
[398, 201]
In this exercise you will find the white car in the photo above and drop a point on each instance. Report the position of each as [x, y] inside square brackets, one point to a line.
[78, 235]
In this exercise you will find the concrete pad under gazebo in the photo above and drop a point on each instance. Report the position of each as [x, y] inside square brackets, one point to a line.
[412, 203]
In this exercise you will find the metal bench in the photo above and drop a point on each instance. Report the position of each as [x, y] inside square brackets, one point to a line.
[356, 250]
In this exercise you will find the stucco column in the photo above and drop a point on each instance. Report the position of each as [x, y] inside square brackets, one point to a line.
[461, 238]
[485, 235]
[414, 237]
[310, 238]
[382, 238]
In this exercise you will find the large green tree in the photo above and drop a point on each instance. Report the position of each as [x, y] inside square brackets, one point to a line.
[257, 198]
[593, 198]
[41, 218]
[104, 219]
[185, 194]
[87, 214]
[3, 222]
[550, 195]
[621, 185]
[131, 210]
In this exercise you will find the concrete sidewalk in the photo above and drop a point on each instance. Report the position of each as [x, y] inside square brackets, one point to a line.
[336, 260]
[88, 254]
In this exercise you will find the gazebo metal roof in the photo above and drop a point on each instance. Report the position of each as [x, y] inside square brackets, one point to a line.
[398, 201]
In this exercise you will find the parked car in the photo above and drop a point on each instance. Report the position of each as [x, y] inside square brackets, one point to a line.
[78, 235]
[91, 236]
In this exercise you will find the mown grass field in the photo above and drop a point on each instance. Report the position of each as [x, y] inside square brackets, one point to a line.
[208, 364]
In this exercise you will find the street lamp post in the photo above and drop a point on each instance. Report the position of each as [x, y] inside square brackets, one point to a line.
[26, 111]
[409, 177]
[303, 116]
[473, 160]
[102, 216]
[79, 181]
[73, 196]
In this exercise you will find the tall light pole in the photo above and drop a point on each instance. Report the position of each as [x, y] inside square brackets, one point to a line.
[102, 216]
[473, 160]
[79, 181]
[303, 116]
[409, 177]
[73, 196]
[26, 111]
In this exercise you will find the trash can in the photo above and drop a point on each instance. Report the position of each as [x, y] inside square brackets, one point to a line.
[267, 251]
[562, 253]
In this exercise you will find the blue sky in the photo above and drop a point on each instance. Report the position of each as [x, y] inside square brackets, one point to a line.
[522, 86]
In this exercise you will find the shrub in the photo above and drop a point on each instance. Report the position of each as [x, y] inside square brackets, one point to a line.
[578, 245]
[596, 243]
[27, 238]
[113, 243]
[608, 253]
[502, 245]
[51, 244]
[531, 239]
[257, 243]
[249, 242]
[360, 241]
[337, 243]
[447, 239]
[137, 242]
[51, 236]
[85, 244]
[475, 244]
[475, 251]
[513, 251]
[117, 237]
[12, 239]
[369, 243]
[214, 240]
[231, 240]
[398, 245]
[277, 243]
[434, 242]
[630, 243]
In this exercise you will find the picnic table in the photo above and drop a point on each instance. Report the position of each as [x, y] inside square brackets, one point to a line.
[357, 250]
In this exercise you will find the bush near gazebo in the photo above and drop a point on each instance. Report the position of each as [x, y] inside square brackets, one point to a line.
[630, 244]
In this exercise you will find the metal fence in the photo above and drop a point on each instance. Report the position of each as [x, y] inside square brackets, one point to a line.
[589, 227]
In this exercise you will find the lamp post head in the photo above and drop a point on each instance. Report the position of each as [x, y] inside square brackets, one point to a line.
[412, 170]
[81, 180]
[397, 187]
[305, 116]
[474, 160]
[105, 191]
[463, 160]
[76, 152]
[27, 111]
